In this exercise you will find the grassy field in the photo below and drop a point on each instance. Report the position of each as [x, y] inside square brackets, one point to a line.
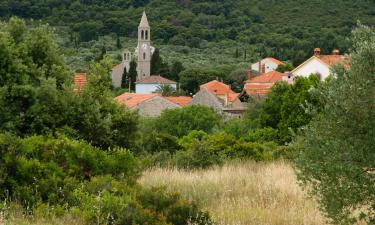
[243, 193]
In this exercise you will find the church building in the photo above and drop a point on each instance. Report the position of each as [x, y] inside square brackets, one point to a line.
[143, 54]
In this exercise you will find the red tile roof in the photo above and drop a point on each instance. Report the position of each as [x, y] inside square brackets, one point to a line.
[270, 77]
[331, 60]
[261, 85]
[278, 62]
[79, 81]
[133, 99]
[217, 87]
[180, 100]
[155, 79]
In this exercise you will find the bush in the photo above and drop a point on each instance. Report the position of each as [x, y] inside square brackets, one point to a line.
[46, 169]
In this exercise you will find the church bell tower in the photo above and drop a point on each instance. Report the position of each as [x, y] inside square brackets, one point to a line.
[144, 49]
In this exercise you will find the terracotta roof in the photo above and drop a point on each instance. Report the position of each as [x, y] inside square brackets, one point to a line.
[79, 81]
[155, 79]
[180, 100]
[270, 77]
[217, 88]
[133, 99]
[278, 62]
[331, 60]
[258, 89]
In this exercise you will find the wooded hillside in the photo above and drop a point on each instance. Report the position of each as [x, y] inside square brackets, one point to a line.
[285, 29]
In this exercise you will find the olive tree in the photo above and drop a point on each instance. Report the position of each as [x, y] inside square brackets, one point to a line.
[336, 157]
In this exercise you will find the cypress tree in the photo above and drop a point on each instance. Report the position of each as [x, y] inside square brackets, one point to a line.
[124, 79]
[132, 74]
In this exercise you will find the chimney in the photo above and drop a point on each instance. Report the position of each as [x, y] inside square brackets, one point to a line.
[263, 68]
[260, 67]
[250, 75]
[317, 51]
[335, 52]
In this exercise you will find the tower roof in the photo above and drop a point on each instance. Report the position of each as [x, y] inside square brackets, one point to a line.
[144, 21]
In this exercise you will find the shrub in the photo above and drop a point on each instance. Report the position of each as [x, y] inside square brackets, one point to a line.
[47, 169]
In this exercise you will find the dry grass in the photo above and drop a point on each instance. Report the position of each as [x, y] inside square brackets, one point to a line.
[243, 193]
[16, 215]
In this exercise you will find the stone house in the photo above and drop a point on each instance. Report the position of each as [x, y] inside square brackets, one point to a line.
[151, 105]
[220, 97]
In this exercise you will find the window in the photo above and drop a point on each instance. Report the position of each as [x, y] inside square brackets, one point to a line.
[146, 34]
[142, 35]
[144, 55]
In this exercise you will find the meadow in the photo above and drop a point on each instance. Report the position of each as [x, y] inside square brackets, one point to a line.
[243, 193]
[239, 193]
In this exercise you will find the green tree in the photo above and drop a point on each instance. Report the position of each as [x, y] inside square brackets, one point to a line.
[133, 74]
[181, 121]
[176, 69]
[158, 66]
[118, 42]
[166, 90]
[124, 79]
[336, 157]
[282, 68]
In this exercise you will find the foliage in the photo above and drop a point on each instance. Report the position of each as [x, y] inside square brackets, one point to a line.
[40, 169]
[252, 27]
[158, 67]
[285, 106]
[41, 100]
[181, 121]
[133, 74]
[124, 79]
[165, 90]
[192, 78]
[336, 154]
[282, 68]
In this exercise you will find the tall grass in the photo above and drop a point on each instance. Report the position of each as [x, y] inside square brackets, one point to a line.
[243, 193]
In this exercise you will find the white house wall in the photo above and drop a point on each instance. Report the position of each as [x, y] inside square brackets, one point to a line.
[270, 66]
[149, 88]
[314, 66]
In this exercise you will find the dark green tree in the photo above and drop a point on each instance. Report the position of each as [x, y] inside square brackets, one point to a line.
[336, 157]
[181, 121]
[176, 69]
[156, 63]
[132, 74]
[125, 79]
[118, 42]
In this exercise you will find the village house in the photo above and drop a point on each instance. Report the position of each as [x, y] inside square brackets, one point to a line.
[320, 65]
[259, 86]
[266, 65]
[151, 105]
[220, 97]
[152, 83]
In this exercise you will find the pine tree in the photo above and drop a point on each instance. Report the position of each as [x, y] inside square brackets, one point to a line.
[132, 74]
[124, 79]
[237, 54]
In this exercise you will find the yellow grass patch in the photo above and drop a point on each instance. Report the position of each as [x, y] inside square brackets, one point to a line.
[246, 193]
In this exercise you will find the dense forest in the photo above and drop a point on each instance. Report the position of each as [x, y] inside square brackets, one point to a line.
[224, 31]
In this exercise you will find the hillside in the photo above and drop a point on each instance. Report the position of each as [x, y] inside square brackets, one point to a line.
[285, 29]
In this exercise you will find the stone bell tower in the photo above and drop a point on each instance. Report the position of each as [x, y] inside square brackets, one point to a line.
[144, 49]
